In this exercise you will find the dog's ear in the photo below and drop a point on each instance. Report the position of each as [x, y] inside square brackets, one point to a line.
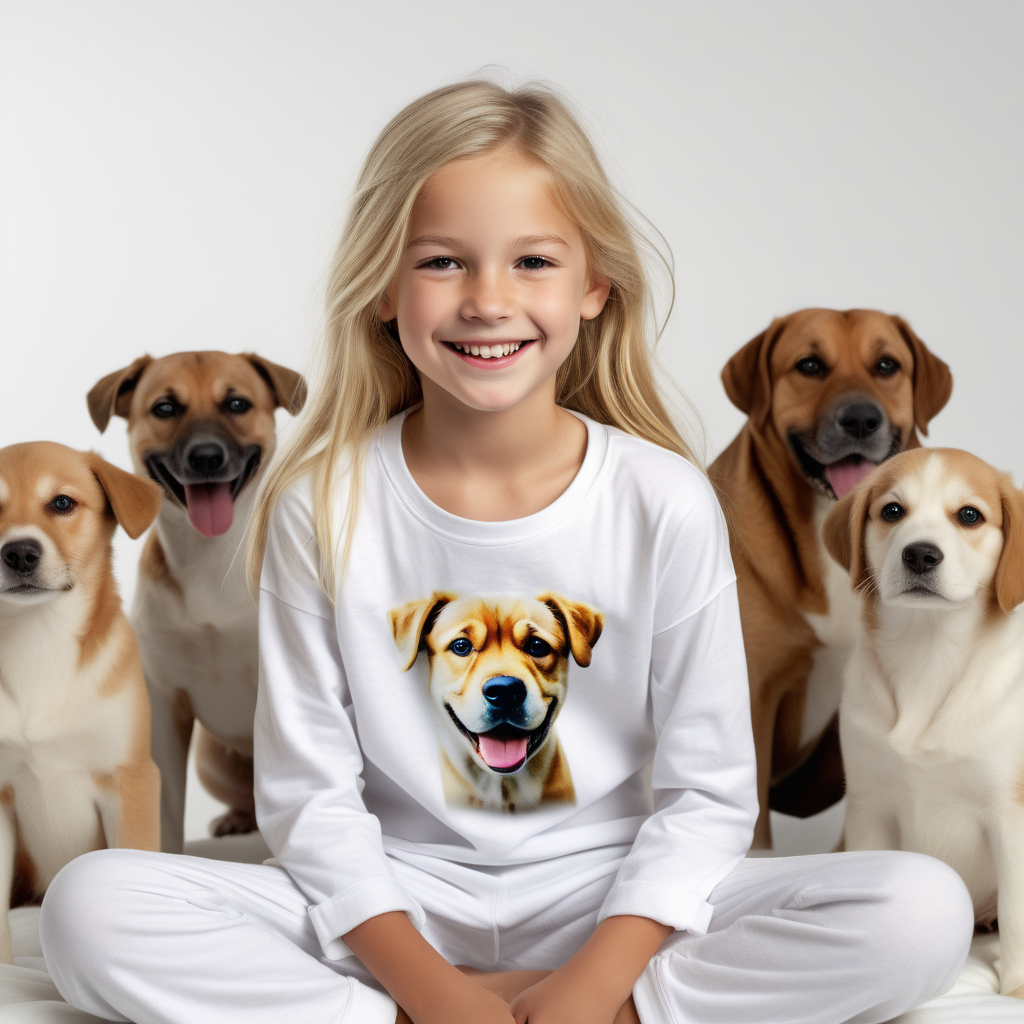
[843, 532]
[1009, 580]
[747, 376]
[112, 395]
[134, 500]
[583, 625]
[288, 387]
[411, 622]
[933, 382]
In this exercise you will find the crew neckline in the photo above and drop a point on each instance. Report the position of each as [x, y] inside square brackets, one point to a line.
[480, 531]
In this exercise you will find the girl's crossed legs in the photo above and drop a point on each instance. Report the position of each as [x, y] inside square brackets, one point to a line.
[857, 937]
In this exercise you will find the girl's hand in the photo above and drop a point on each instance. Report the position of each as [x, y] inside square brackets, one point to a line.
[463, 1003]
[568, 999]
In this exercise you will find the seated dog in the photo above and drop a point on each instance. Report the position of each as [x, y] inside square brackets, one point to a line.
[828, 395]
[932, 713]
[499, 670]
[75, 769]
[201, 424]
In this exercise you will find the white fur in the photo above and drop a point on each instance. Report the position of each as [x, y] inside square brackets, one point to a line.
[932, 715]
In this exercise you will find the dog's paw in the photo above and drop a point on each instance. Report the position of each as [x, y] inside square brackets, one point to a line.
[233, 823]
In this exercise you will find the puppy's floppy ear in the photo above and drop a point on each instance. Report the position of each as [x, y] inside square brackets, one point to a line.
[1009, 580]
[411, 622]
[933, 382]
[843, 532]
[583, 625]
[747, 377]
[112, 395]
[288, 387]
[134, 500]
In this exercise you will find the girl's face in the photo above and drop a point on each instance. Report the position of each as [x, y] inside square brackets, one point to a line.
[493, 283]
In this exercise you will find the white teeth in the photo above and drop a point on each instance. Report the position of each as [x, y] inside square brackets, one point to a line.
[495, 351]
[474, 350]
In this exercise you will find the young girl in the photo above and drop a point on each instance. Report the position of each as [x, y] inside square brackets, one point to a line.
[503, 719]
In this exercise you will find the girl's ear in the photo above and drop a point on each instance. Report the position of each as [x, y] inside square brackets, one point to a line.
[385, 310]
[1009, 581]
[843, 532]
[595, 296]
[747, 377]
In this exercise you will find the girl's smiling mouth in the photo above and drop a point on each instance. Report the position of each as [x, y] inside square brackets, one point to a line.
[491, 354]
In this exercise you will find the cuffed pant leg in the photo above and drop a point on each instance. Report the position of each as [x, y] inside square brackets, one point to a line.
[161, 939]
[857, 937]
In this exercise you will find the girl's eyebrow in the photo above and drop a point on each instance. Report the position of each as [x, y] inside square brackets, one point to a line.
[526, 240]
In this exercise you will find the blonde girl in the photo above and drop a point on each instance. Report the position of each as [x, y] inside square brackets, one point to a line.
[503, 745]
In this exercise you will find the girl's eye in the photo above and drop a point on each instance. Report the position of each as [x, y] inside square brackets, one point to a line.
[534, 263]
[461, 646]
[537, 648]
[238, 405]
[886, 367]
[63, 503]
[810, 367]
[892, 512]
[970, 516]
[440, 263]
[163, 410]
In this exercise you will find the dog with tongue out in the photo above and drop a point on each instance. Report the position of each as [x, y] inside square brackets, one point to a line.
[201, 424]
[498, 676]
[828, 395]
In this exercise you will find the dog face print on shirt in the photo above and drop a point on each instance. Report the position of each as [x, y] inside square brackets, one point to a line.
[498, 672]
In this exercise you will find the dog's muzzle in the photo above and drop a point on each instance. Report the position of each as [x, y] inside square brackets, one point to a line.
[506, 748]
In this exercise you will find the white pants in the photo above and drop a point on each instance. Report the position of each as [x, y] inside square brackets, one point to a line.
[150, 937]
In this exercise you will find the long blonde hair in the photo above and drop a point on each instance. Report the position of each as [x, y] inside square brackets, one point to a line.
[364, 375]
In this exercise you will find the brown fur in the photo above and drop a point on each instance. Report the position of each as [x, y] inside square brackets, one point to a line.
[153, 565]
[770, 505]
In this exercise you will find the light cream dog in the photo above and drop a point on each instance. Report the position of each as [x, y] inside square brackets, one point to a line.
[75, 768]
[499, 670]
[932, 714]
[202, 425]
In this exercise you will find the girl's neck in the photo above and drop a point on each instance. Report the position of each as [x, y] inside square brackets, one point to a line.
[495, 465]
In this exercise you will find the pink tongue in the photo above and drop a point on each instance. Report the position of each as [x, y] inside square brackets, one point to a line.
[846, 474]
[502, 753]
[210, 507]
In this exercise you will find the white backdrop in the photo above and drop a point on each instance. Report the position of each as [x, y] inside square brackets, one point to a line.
[173, 175]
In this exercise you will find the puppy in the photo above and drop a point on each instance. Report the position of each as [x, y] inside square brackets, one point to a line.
[499, 671]
[828, 396]
[932, 715]
[75, 769]
[201, 424]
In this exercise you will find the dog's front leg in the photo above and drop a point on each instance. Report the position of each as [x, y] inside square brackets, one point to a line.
[1009, 850]
[171, 735]
[8, 842]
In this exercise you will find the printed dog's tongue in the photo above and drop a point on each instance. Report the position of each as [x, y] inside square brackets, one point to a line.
[210, 508]
[502, 753]
[847, 473]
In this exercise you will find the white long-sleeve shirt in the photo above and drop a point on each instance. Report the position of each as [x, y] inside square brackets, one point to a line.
[655, 732]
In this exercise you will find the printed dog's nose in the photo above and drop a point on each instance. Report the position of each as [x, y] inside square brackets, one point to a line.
[860, 419]
[921, 558]
[505, 693]
[21, 556]
[206, 458]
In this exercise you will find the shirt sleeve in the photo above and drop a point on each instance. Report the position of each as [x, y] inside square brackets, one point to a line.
[307, 782]
[703, 774]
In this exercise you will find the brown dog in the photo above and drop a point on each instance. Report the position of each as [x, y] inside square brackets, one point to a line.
[202, 425]
[829, 395]
[499, 673]
[75, 768]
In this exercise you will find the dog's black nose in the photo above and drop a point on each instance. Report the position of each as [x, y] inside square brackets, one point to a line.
[206, 458]
[860, 419]
[21, 556]
[505, 693]
[921, 558]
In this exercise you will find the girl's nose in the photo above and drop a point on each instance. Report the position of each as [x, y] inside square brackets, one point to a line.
[488, 298]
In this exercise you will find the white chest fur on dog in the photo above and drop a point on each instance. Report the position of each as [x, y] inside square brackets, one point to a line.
[932, 715]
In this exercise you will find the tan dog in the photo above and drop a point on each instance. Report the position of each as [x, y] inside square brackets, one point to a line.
[829, 395]
[75, 768]
[932, 714]
[202, 425]
[499, 671]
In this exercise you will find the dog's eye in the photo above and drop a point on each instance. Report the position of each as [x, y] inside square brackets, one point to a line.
[164, 410]
[970, 516]
[537, 648]
[811, 366]
[892, 512]
[63, 504]
[461, 646]
[886, 367]
[237, 405]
